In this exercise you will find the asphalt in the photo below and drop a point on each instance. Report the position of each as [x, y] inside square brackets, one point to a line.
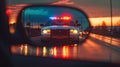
[111, 42]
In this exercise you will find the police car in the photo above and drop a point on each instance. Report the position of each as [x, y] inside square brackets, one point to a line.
[60, 29]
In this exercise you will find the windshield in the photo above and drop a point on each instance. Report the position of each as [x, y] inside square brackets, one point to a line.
[61, 22]
[57, 22]
[103, 43]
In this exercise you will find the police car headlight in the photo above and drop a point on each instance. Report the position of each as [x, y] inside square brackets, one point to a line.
[46, 31]
[73, 31]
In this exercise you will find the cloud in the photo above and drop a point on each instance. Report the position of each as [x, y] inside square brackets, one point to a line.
[64, 2]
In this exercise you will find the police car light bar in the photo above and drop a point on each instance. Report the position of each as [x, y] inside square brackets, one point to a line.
[60, 18]
[53, 18]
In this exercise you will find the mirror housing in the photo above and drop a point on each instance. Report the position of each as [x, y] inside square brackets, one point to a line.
[21, 22]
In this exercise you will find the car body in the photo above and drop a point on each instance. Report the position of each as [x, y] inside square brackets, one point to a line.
[60, 32]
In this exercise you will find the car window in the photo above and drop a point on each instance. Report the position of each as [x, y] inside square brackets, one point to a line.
[103, 43]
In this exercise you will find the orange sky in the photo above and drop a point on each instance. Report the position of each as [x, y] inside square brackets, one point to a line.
[98, 21]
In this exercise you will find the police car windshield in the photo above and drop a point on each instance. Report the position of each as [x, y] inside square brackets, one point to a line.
[60, 23]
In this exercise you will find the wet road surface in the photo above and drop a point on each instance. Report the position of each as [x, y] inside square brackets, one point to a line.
[93, 49]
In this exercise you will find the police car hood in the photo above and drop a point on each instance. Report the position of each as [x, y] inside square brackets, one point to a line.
[59, 27]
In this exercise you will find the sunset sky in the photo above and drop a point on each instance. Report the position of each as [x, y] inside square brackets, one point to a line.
[97, 10]
[98, 21]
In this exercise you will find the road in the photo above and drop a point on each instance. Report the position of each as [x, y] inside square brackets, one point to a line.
[108, 40]
[95, 48]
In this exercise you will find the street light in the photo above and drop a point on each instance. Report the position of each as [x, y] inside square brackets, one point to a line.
[111, 29]
[111, 16]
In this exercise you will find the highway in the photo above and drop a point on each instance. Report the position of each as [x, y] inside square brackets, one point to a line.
[108, 40]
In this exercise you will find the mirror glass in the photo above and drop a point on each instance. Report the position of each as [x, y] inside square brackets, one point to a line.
[55, 24]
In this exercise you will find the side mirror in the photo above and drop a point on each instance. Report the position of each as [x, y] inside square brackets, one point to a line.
[39, 17]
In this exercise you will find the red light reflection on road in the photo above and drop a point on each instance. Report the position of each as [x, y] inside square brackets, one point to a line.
[37, 51]
[75, 51]
[13, 50]
[53, 51]
[65, 51]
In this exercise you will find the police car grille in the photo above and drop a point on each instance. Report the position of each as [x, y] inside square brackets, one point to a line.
[60, 33]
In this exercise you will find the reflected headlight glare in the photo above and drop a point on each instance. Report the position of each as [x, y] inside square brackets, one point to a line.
[73, 31]
[46, 31]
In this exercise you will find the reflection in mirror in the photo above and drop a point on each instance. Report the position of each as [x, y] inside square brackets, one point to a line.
[55, 25]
